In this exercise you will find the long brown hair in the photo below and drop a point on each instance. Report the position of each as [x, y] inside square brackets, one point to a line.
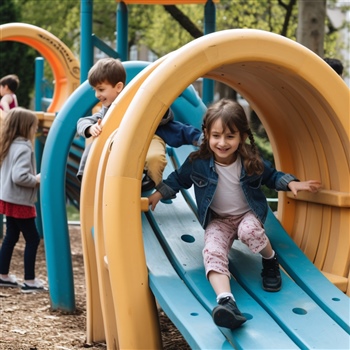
[232, 117]
[17, 123]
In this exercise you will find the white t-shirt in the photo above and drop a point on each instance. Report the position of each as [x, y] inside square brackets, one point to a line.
[229, 198]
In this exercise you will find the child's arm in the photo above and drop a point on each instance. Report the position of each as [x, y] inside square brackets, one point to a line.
[154, 198]
[38, 179]
[281, 181]
[5, 102]
[176, 134]
[21, 171]
[310, 185]
[96, 129]
[89, 126]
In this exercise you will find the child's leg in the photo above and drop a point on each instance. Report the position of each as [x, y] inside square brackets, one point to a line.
[8, 244]
[156, 159]
[252, 233]
[32, 239]
[218, 238]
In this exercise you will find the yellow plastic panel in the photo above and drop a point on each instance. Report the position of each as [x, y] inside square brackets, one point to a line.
[100, 310]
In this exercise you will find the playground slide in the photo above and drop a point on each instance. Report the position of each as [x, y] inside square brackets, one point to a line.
[284, 82]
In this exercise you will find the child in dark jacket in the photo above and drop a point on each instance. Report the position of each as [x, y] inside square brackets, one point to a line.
[173, 134]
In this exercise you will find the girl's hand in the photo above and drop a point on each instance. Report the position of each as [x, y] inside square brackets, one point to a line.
[38, 178]
[96, 129]
[153, 199]
[310, 185]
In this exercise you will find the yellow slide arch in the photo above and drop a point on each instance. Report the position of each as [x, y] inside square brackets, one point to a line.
[65, 66]
[100, 323]
[304, 107]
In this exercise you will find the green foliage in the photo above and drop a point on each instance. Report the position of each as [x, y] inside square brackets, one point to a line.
[61, 18]
[266, 15]
[72, 213]
[16, 58]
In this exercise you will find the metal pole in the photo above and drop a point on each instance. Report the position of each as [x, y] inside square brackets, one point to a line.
[86, 47]
[38, 145]
[122, 31]
[209, 27]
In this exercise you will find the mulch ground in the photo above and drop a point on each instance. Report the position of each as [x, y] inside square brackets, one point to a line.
[28, 323]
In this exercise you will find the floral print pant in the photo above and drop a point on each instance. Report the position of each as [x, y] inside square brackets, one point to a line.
[220, 234]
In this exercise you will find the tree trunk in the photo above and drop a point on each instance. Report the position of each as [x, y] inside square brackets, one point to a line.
[311, 24]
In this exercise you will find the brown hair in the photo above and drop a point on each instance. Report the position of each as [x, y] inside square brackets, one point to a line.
[232, 117]
[11, 81]
[17, 123]
[108, 70]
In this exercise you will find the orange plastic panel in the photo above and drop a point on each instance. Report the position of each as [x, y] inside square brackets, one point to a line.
[64, 65]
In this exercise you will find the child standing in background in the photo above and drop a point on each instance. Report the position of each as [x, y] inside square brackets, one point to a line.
[227, 174]
[8, 86]
[19, 185]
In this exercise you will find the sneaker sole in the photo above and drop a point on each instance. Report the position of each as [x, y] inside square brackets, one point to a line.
[272, 289]
[34, 290]
[9, 285]
[226, 319]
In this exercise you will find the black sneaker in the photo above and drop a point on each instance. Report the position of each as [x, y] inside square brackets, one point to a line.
[37, 286]
[147, 184]
[271, 276]
[227, 315]
[10, 281]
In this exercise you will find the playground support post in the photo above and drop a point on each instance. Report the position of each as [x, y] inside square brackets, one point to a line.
[209, 27]
[122, 31]
[39, 147]
[86, 46]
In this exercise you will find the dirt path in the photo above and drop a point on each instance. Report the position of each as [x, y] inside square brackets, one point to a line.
[28, 323]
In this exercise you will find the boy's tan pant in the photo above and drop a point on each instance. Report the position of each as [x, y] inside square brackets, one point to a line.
[156, 159]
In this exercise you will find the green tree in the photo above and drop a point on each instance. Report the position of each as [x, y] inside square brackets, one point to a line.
[163, 28]
[16, 58]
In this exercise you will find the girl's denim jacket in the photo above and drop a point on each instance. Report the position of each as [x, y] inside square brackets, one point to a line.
[201, 173]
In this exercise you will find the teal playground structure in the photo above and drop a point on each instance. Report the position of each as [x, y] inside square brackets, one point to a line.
[309, 311]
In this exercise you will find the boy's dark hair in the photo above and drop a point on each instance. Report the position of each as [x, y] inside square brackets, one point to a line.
[108, 70]
[11, 81]
[335, 64]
